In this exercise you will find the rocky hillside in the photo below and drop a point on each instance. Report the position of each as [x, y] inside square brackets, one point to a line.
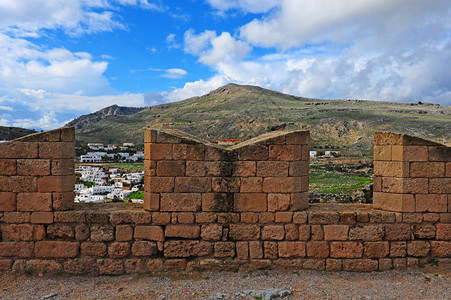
[110, 111]
[243, 112]
[11, 133]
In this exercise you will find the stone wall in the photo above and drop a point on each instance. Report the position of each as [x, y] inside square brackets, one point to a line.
[411, 174]
[195, 217]
[268, 173]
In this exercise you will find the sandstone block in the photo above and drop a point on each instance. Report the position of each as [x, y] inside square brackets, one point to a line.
[314, 264]
[217, 202]
[250, 202]
[398, 249]
[270, 250]
[211, 232]
[318, 249]
[284, 184]
[242, 250]
[153, 233]
[18, 184]
[336, 232]
[304, 232]
[7, 201]
[346, 249]
[62, 167]
[224, 249]
[251, 185]
[347, 217]
[255, 249]
[159, 184]
[18, 232]
[299, 201]
[124, 233]
[41, 217]
[443, 232]
[404, 185]
[376, 249]
[17, 249]
[8, 167]
[317, 233]
[410, 153]
[170, 168]
[441, 248]
[383, 152]
[112, 267]
[56, 184]
[431, 203]
[291, 232]
[225, 184]
[57, 150]
[360, 265]
[298, 168]
[249, 217]
[19, 150]
[299, 217]
[63, 201]
[126, 216]
[394, 202]
[81, 232]
[33, 167]
[182, 231]
[189, 151]
[427, 169]
[102, 233]
[424, 231]
[56, 249]
[418, 248]
[323, 217]
[253, 152]
[192, 184]
[397, 232]
[283, 217]
[291, 249]
[156, 151]
[93, 249]
[440, 185]
[227, 218]
[244, 168]
[151, 201]
[180, 202]
[266, 217]
[185, 218]
[391, 168]
[173, 249]
[244, 232]
[206, 217]
[273, 232]
[60, 231]
[69, 217]
[34, 201]
[439, 153]
[80, 266]
[285, 152]
[135, 266]
[277, 202]
[334, 264]
[118, 250]
[272, 168]
[412, 218]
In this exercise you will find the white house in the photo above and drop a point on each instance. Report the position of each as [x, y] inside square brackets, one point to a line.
[88, 158]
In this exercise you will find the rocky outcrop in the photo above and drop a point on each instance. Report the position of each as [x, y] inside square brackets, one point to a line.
[99, 115]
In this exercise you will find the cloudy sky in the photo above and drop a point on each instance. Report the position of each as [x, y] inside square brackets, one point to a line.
[61, 59]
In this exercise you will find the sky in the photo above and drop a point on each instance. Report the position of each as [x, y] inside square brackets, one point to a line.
[62, 59]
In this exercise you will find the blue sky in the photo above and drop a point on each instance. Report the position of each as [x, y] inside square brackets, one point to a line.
[61, 59]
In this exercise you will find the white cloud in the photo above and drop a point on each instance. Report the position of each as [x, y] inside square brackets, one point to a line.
[174, 73]
[171, 41]
[301, 21]
[7, 108]
[213, 49]
[196, 88]
[395, 50]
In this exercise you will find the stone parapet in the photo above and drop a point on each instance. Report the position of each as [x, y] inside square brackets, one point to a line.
[265, 174]
[411, 174]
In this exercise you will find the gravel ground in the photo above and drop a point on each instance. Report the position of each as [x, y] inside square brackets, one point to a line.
[395, 284]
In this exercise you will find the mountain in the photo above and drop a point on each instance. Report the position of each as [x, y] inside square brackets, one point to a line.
[243, 112]
[11, 133]
[110, 111]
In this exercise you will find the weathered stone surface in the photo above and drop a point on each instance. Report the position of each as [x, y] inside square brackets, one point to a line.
[323, 217]
[111, 267]
[418, 248]
[376, 249]
[153, 233]
[133, 217]
[93, 249]
[360, 265]
[397, 232]
[273, 232]
[182, 231]
[80, 266]
[17, 249]
[336, 232]
[292, 249]
[56, 249]
[144, 248]
[224, 249]
[244, 232]
[367, 233]
[318, 249]
[60, 231]
[211, 232]
[173, 249]
[346, 249]
[118, 250]
[102, 233]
